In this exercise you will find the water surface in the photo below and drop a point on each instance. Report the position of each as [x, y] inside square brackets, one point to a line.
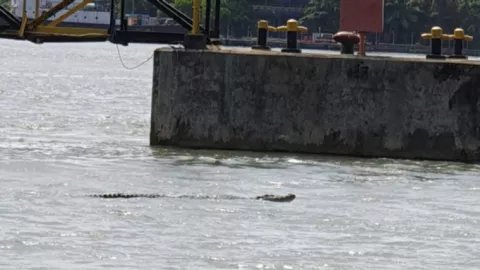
[74, 121]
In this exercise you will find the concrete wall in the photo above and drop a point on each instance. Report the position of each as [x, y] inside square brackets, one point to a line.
[334, 104]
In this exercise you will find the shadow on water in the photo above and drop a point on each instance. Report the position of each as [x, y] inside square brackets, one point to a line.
[282, 160]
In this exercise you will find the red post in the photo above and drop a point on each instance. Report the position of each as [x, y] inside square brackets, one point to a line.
[365, 16]
[361, 44]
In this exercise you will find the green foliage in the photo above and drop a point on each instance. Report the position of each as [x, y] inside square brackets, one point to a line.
[6, 4]
[184, 6]
[321, 13]
[137, 7]
[237, 16]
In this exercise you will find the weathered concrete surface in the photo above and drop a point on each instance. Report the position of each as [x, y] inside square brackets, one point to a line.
[376, 107]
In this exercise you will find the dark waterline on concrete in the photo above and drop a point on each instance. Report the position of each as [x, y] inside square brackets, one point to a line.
[310, 103]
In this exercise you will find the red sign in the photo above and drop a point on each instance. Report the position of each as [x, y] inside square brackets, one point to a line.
[361, 15]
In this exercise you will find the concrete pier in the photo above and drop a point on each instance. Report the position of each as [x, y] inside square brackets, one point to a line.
[326, 104]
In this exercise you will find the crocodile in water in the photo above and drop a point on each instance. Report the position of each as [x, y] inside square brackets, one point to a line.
[267, 197]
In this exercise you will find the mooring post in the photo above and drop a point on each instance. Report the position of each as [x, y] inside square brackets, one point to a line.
[436, 36]
[262, 36]
[292, 30]
[459, 37]
[348, 40]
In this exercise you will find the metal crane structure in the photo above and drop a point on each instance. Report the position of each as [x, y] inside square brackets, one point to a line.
[37, 31]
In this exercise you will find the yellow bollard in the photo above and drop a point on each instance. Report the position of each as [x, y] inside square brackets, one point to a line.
[436, 36]
[196, 17]
[292, 28]
[263, 29]
[459, 37]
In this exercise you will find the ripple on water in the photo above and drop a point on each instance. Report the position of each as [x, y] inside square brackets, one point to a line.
[81, 127]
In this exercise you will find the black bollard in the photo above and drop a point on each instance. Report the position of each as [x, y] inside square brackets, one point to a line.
[436, 36]
[263, 29]
[292, 30]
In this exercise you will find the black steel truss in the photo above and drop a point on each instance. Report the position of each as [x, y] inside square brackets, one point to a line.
[124, 36]
[12, 21]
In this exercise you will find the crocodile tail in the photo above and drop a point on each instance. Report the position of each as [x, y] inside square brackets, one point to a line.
[125, 195]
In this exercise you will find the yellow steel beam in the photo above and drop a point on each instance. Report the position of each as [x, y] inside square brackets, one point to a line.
[24, 23]
[54, 10]
[24, 19]
[70, 31]
[37, 8]
[70, 12]
[196, 17]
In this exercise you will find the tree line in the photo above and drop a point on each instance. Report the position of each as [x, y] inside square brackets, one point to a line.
[5, 3]
[404, 20]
